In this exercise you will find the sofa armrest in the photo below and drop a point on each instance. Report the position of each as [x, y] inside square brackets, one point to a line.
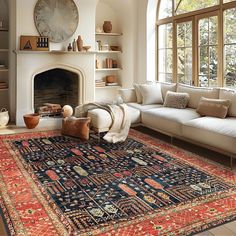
[128, 95]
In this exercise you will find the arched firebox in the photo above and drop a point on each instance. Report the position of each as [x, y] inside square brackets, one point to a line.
[55, 88]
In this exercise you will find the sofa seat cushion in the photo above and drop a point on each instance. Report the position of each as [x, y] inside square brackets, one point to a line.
[101, 119]
[168, 120]
[212, 131]
[143, 107]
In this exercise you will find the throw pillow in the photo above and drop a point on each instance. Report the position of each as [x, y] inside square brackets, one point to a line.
[176, 100]
[213, 107]
[138, 93]
[128, 95]
[151, 93]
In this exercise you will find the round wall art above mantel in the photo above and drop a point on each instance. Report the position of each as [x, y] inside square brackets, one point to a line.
[56, 19]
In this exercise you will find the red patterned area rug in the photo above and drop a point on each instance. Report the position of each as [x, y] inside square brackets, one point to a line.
[55, 185]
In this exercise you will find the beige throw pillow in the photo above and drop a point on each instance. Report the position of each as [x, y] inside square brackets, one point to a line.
[138, 93]
[176, 100]
[151, 94]
[213, 107]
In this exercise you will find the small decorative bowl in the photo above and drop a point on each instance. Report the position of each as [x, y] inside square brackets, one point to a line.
[86, 48]
[115, 48]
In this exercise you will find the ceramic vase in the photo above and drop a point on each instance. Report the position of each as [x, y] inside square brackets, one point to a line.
[79, 43]
[31, 120]
[107, 27]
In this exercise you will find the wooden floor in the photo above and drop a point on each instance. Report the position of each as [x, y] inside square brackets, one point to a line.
[228, 229]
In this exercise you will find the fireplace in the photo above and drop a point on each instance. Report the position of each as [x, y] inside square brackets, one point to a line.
[55, 86]
[53, 77]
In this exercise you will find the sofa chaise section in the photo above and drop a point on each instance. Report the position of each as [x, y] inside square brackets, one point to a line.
[219, 134]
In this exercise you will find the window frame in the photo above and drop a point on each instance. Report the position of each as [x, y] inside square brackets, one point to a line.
[195, 16]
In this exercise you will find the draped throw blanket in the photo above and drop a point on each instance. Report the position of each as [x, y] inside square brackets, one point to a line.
[120, 119]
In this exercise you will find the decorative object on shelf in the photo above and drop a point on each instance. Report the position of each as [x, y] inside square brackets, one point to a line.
[4, 117]
[107, 26]
[86, 48]
[100, 83]
[114, 64]
[1, 23]
[57, 19]
[98, 65]
[80, 43]
[98, 45]
[114, 48]
[98, 29]
[105, 47]
[74, 45]
[3, 85]
[111, 79]
[67, 111]
[31, 120]
[109, 62]
[69, 48]
[34, 43]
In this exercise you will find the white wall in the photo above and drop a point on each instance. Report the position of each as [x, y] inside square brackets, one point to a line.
[25, 22]
[132, 18]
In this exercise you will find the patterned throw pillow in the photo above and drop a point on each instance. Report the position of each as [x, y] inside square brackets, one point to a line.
[176, 100]
[213, 107]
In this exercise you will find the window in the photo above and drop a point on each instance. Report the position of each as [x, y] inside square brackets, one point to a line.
[208, 51]
[165, 53]
[197, 42]
[166, 7]
[183, 6]
[230, 48]
[184, 52]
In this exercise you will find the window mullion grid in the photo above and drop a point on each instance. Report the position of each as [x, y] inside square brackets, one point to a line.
[208, 52]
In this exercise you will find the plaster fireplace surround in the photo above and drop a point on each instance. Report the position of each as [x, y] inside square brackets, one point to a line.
[31, 64]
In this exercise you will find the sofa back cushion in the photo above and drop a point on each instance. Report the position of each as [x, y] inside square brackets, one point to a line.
[196, 93]
[128, 95]
[213, 107]
[167, 87]
[231, 95]
[151, 94]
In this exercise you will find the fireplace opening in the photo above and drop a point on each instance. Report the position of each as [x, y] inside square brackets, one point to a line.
[53, 89]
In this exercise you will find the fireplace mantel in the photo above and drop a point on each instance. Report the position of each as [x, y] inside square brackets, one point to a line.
[54, 52]
[31, 63]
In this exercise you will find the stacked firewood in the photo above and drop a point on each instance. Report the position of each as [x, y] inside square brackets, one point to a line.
[49, 109]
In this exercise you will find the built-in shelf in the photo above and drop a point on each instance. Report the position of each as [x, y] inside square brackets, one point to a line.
[3, 29]
[109, 87]
[4, 70]
[4, 50]
[5, 89]
[109, 69]
[108, 34]
[52, 52]
[105, 52]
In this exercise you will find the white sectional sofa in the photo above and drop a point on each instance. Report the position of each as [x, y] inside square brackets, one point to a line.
[149, 109]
